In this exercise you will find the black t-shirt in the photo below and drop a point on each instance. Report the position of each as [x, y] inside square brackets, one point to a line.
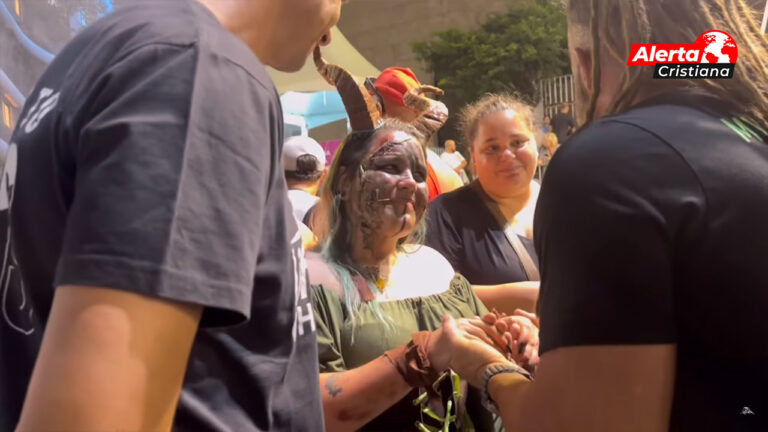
[462, 228]
[147, 159]
[651, 228]
[561, 125]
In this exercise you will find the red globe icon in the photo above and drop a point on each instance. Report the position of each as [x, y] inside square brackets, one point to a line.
[717, 47]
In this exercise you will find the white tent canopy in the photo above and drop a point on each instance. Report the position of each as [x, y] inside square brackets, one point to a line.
[340, 52]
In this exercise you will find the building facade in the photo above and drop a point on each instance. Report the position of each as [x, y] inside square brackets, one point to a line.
[383, 31]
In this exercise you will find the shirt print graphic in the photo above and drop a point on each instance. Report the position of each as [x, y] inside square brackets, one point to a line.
[304, 320]
[17, 308]
[15, 300]
[45, 103]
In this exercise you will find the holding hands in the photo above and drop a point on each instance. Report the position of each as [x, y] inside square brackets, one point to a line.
[518, 334]
[469, 346]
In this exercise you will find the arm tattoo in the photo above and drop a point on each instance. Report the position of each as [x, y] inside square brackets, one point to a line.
[330, 385]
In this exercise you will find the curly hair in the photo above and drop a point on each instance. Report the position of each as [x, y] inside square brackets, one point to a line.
[550, 137]
[472, 114]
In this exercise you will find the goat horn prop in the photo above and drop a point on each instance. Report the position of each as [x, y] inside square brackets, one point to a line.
[361, 108]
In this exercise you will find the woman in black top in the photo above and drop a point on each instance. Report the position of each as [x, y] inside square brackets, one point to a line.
[467, 225]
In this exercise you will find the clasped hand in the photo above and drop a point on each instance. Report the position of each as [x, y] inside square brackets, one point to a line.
[468, 345]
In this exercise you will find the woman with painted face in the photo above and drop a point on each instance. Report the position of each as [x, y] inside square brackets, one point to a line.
[377, 295]
[484, 229]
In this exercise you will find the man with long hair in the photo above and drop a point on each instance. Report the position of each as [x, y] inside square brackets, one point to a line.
[652, 237]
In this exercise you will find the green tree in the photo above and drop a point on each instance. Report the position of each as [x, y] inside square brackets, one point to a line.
[509, 52]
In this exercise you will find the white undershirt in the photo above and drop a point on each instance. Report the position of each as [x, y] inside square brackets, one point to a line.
[301, 201]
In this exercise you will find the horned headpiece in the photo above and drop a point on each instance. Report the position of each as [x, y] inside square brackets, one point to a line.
[362, 109]
[432, 114]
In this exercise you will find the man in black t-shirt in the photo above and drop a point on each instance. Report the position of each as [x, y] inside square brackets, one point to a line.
[652, 238]
[143, 187]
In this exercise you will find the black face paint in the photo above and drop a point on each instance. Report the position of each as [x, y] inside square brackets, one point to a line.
[392, 195]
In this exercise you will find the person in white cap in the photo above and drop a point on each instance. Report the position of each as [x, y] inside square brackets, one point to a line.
[304, 165]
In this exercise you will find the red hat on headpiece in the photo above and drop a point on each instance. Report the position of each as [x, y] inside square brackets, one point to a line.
[395, 82]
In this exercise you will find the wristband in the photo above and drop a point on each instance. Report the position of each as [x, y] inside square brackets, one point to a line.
[412, 362]
[491, 372]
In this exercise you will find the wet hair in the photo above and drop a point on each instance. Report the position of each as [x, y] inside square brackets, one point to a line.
[471, 116]
[331, 221]
[614, 26]
[307, 170]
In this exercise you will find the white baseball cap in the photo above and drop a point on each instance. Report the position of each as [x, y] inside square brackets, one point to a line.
[297, 146]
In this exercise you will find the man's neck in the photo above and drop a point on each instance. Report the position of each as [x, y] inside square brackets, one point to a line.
[246, 19]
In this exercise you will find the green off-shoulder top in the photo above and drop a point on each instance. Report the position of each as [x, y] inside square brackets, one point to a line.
[343, 345]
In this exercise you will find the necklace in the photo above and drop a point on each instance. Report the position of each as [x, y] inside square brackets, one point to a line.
[379, 275]
[381, 284]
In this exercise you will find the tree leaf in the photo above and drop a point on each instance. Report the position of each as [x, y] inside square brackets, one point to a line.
[509, 52]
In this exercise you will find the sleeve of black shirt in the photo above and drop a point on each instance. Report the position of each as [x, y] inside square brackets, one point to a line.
[616, 207]
[173, 164]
